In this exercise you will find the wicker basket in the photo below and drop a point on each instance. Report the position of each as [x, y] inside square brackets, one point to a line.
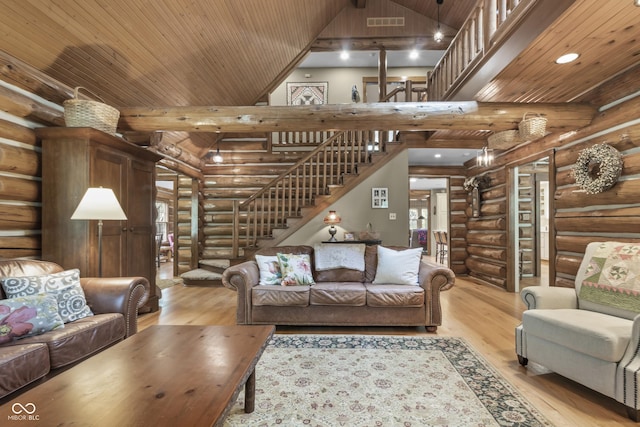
[533, 127]
[504, 140]
[93, 114]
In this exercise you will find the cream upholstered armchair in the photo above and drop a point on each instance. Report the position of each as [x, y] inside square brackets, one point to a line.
[590, 334]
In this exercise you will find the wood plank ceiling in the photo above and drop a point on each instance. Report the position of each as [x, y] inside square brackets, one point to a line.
[232, 53]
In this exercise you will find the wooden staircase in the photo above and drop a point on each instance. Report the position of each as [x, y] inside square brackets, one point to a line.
[257, 208]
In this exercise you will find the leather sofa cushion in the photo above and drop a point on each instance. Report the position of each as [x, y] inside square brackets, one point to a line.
[338, 293]
[297, 296]
[596, 334]
[80, 338]
[394, 295]
[21, 365]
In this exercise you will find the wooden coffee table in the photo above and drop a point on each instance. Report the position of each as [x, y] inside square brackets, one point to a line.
[162, 376]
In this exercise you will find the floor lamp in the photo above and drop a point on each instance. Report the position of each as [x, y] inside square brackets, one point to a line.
[101, 204]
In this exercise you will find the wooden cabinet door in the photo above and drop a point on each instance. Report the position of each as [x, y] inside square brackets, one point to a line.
[141, 220]
[110, 171]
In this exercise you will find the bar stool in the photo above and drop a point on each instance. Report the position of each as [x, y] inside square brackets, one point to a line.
[444, 245]
[436, 236]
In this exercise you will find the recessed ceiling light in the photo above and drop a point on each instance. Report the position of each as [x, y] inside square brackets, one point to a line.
[413, 54]
[437, 156]
[344, 55]
[569, 57]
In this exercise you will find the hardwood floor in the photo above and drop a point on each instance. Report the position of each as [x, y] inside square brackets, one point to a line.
[483, 315]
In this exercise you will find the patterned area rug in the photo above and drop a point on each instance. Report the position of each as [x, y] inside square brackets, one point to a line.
[167, 283]
[335, 380]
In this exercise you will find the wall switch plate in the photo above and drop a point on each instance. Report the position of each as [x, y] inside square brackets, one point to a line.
[392, 216]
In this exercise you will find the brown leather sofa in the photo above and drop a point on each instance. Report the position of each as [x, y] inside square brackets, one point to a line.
[114, 302]
[339, 297]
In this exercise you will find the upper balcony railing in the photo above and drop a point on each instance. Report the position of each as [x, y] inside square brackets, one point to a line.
[485, 27]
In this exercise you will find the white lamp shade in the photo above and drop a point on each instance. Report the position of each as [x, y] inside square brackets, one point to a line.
[99, 203]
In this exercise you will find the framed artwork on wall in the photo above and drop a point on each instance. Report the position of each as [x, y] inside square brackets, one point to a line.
[379, 198]
[307, 93]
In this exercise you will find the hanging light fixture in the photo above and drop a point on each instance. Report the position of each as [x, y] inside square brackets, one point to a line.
[438, 36]
[484, 157]
[217, 158]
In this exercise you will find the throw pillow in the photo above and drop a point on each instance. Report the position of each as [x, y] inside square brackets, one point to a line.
[25, 316]
[65, 286]
[296, 269]
[269, 270]
[331, 256]
[398, 267]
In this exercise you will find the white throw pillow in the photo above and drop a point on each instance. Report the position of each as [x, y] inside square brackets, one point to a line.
[269, 270]
[330, 256]
[398, 267]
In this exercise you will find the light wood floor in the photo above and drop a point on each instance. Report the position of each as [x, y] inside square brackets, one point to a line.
[483, 315]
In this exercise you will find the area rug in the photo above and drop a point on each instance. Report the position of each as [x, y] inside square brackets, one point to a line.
[359, 380]
[167, 283]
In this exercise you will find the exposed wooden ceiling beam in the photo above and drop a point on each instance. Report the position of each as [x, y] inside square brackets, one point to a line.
[468, 115]
[377, 43]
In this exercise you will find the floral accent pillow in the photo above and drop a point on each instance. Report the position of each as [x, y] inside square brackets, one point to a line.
[269, 267]
[296, 269]
[65, 286]
[21, 317]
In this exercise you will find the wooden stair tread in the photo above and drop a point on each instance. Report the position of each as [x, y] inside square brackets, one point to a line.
[217, 263]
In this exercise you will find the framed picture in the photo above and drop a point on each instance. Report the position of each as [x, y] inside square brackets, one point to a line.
[379, 198]
[348, 237]
[307, 93]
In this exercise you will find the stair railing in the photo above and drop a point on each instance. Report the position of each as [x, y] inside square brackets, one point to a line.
[311, 176]
[482, 29]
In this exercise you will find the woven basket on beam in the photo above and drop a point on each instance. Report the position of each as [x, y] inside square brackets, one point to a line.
[504, 140]
[533, 127]
[93, 114]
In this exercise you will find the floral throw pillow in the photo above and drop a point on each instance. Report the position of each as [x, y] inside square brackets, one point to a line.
[269, 270]
[65, 286]
[296, 269]
[21, 317]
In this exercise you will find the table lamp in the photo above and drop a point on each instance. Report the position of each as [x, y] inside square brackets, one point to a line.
[332, 219]
[101, 204]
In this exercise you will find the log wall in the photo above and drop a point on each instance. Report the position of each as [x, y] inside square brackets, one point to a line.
[576, 218]
[487, 234]
[20, 188]
[581, 218]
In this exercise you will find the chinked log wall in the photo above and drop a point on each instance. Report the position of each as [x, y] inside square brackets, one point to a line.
[578, 218]
[20, 189]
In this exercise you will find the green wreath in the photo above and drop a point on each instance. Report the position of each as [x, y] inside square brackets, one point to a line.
[597, 168]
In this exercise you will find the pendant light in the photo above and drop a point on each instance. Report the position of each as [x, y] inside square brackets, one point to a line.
[438, 36]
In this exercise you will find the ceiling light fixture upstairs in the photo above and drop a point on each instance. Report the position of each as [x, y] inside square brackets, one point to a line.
[344, 55]
[413, 54]
[438, 36]
[566, 58]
